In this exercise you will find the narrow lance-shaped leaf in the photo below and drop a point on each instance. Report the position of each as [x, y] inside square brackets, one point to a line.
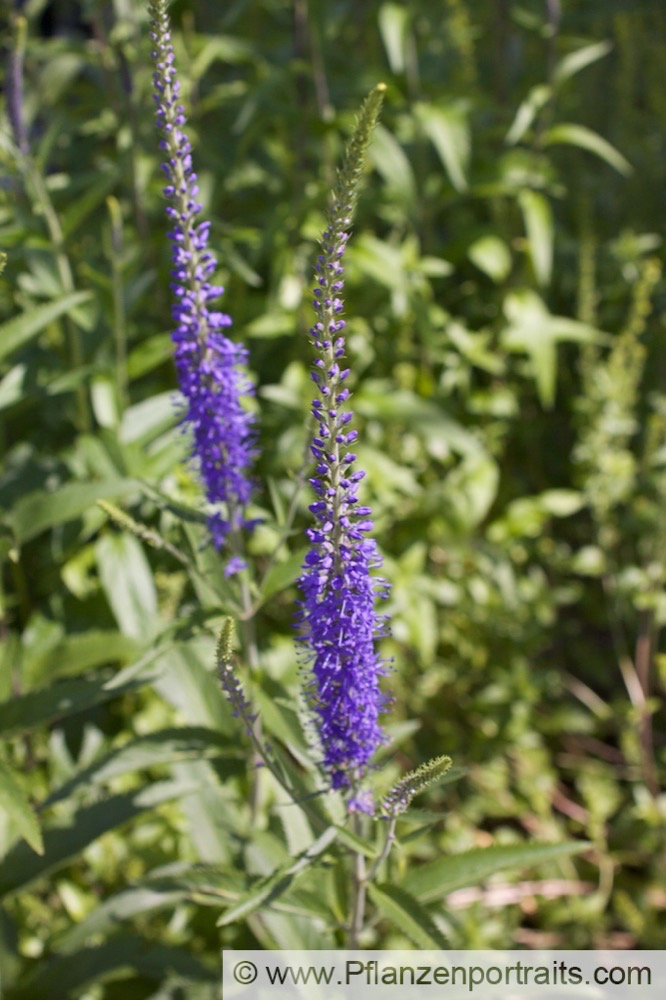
[585, 138]
[574, 62]
[539, 226]
[279, 881]
[21, 865]
[393, 21]
[16, 804]
[163, 747]
[408, 915]
[448, 131]
[438, 878]
[537, 99]
[17, 332]
[40, 510]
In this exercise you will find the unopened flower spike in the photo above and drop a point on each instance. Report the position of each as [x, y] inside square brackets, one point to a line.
[226, 672]
[339, 625]
[209, 365]
[398, 799]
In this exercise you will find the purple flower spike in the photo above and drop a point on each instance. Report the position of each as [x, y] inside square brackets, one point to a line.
[338, 621]
[209, 365]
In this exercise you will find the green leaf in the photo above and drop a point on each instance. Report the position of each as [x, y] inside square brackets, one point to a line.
[149, 354]
[16, 804]
[77, 653]
[156, 749]
[194, 690]
[534, 330]
[154, 894]
[408, 915]
[62, 843]
[12, 386]
[146, 420]
[279, 881]
[393, 21]
[390, 161]
[537, 98]
[438, 878]
[585, 138]
[282, 574]
[355, 843]
[538, 219]
[127, 581]
[492, 256]
[278, 712]
[64, 698]
[86, 201]
[17, 332]
[128, 955]
[472, 487]
[448, 131]
[562, 503]
[40, 510]
[574, 62]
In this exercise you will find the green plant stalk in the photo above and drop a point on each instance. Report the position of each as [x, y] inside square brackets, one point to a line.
[251, 649]
[36, 181]
[33, 179]
[118, 315]
[386, 849]
[358, 893]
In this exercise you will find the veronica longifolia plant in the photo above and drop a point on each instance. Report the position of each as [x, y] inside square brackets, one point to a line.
[338, 619]
[210, 366]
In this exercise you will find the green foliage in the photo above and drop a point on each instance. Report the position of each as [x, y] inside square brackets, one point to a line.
[516, 459]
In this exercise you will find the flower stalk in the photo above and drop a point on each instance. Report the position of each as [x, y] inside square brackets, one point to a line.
[338, 621]
[210, 366]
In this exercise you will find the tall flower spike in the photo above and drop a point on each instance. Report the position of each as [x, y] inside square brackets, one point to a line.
[209, 365]
[338, 621]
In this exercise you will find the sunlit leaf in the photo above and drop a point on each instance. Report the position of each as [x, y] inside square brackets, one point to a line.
[279, 881]
[540, 235]
[574, 62]
[127, 581]
[16, 804]
[17, 332]
[438, 878]
[537, 98]
[393, 21]
[447, 129]
[408, 916]
[492, 256]
[586, 138]
[21, 865]
[40, 510]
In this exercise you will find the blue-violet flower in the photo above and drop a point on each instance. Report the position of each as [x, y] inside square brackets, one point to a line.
[338, 620]
[209, 365]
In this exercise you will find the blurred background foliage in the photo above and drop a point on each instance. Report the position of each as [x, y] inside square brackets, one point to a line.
[505, 303]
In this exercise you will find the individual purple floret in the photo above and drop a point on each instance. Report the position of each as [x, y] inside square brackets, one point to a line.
[209, 365]
[338, 619]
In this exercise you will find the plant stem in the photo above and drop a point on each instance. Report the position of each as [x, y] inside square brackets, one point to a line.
[250, 646]
[119, 327]
[358, 898]
[385, 851]
[36, 181]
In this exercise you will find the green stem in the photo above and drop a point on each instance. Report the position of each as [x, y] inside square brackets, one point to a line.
[36, 181]
[386, 849]
[359, 893]
[119, 326]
